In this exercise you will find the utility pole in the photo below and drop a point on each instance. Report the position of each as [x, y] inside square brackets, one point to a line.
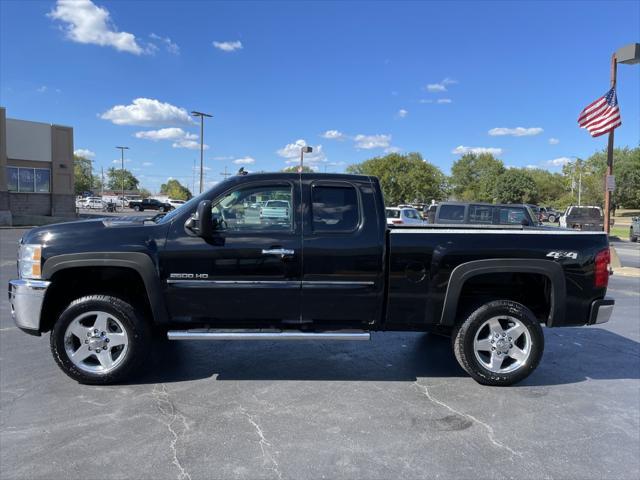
[201, 115]
[102, 181]
[607, 192]
[193, 177]
[303, 150]
[225, 174]
[122, 149]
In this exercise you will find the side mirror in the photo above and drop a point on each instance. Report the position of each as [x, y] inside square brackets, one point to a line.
[524, 222]
[205, 219]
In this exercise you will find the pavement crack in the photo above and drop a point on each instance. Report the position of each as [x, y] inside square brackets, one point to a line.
[265, 447]
[490, 432]
[169, 416]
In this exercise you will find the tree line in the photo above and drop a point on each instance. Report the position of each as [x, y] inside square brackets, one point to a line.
[409, 178]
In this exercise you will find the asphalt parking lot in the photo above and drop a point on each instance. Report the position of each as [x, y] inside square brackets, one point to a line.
[396, 407]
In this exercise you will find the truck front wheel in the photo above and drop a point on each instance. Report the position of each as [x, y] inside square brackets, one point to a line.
[99, 340]
[500, 343]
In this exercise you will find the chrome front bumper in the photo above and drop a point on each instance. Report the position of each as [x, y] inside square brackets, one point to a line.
[601, 311]
[26, 297]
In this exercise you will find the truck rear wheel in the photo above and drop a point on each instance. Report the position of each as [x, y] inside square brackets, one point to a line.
[500, 343]
[99, 340]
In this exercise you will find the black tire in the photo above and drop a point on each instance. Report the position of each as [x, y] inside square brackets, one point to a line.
[137, 329]
[136, 208]
[551, 218]
[632, 237]
[464, 337]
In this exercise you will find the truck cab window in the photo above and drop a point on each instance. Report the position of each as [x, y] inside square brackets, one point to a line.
[480, 214]
[451, 213]
[255, 208]
[334, 209]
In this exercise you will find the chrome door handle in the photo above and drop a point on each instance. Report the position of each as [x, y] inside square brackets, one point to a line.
[281, 252]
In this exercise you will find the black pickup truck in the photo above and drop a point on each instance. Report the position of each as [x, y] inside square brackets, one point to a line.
[149, 204]
[328, 268]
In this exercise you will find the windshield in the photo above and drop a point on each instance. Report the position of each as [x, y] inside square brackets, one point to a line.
[191, 204]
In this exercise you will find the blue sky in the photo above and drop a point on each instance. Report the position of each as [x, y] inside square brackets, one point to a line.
[352, 79]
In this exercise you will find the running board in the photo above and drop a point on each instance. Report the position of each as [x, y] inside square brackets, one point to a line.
[264, 335]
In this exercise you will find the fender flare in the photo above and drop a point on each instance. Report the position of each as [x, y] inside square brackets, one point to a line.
[463, 272]
[137, 261]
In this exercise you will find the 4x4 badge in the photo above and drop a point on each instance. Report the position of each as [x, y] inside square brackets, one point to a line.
[557, 255]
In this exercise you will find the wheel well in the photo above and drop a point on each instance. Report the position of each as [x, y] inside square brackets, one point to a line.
[532, 290]
[72, 283]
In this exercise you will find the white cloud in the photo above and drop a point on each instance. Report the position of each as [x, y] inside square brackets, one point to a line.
[402, 113]
[392, 149]
[291, 153]
[84, 152]
[444, 100]
[228, 46]
[553, 141]
[90, 24]
[558, 162]
[147, 164]
[461, 150]
[244, 161]
[119, 161]
[189, 144]
[436, 87]
[333, 135]
[440, 101]
[367, 142]
[172, 133]
[223, 158]
[180, 138]
[42, 89]
[531, 167]
[147, 112]
[425, 100]
[441, 86]
[171, 46]
[515, 132]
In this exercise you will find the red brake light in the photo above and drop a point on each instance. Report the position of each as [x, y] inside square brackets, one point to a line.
[396, 222]
[601, 277]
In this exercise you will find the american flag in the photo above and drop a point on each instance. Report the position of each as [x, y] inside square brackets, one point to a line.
[602, 116]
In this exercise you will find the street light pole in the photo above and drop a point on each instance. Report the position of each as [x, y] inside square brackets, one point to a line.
[122, 149]
[201, 115]
[629, 54]
[303, 150]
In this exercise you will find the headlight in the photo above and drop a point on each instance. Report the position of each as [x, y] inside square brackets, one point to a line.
[30, 261]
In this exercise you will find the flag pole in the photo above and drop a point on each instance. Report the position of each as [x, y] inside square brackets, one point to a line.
[607, 192]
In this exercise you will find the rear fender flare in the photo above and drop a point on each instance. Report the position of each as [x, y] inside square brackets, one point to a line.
[463, 272]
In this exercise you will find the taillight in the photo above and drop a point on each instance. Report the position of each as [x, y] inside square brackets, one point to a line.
[396, 222]
[601, 277]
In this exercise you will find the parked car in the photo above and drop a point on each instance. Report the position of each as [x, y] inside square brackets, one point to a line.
[105, 288]
[92, 203]
[175, 203]
[484, 214]
[634, 229]
[549, 214]
[583, 218]
[403, 216]
[150, 204]
[275, 209]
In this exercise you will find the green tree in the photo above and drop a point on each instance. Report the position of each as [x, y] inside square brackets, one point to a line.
[144, 193]
[116, 176]
[174, 189]
[516, 185]
[83, 177]
[550, 186]
[473, 177]
[294, 169]
[404, 178]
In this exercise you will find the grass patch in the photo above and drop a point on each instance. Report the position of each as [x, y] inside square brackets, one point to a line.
[620, 231]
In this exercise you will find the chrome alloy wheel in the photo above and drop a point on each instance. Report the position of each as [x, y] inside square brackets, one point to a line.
[96, 342]
[502, 344]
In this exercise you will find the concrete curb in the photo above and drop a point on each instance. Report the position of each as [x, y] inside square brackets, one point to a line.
[627, 272]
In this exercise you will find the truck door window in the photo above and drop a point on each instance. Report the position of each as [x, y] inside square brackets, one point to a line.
[512, 216]
[480, 214]
[334, 209]
[255, 208]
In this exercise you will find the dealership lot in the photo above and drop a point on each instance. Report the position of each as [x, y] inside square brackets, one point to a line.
[398, 406]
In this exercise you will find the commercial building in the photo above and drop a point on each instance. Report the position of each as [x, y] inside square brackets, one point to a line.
[36, 169]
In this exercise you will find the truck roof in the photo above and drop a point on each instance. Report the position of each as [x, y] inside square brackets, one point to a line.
[295, 176]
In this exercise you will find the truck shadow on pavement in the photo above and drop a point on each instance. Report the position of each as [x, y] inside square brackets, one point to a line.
[571, 355]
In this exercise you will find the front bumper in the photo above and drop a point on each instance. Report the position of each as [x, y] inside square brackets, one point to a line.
[601, 311]
[25, 298]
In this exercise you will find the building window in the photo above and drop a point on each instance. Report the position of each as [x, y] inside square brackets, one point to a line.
[28, 180]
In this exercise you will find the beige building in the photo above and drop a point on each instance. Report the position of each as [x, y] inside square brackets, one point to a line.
[36, 169]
